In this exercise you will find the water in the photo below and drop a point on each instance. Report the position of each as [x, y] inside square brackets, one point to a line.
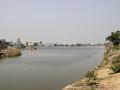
[49, 68]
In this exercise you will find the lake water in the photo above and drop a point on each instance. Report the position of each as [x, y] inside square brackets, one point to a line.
[50, 68]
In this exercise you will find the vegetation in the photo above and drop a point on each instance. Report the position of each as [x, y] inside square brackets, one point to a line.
[115, 67]
[114, 38]
[116, 48]
[90, 75]
[3, 44]
[105, 59]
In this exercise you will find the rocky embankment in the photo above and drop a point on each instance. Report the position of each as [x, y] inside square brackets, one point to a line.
[10, 52]
[105, 76]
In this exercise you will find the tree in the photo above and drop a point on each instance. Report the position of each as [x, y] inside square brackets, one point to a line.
[114, 38]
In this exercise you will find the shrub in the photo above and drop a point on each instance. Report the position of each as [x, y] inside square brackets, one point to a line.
[116, 47]
[115, 67]
[91, 75]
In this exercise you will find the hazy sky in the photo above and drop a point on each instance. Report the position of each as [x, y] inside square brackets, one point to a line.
[59, 20]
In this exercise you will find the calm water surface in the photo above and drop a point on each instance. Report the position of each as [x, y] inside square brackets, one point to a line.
[48, 68]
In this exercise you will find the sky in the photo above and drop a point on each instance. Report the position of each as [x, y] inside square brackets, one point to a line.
[59, 20]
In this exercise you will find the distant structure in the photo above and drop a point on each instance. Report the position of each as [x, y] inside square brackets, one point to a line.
[26, 43]
[18, 44]
[18, 40]
[34, 43]
[41, 44]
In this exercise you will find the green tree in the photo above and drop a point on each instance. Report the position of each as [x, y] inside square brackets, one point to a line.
[114, 38]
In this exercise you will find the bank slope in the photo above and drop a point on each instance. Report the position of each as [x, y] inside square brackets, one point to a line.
[105, 76]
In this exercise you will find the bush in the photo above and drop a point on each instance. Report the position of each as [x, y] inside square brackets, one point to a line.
[116, 47]
[91, 75]
[115, 67]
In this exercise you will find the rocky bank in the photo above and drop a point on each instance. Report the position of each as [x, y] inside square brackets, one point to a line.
[10, 52]
[102, 77]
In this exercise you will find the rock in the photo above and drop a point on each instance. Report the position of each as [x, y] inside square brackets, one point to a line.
[10, 52]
